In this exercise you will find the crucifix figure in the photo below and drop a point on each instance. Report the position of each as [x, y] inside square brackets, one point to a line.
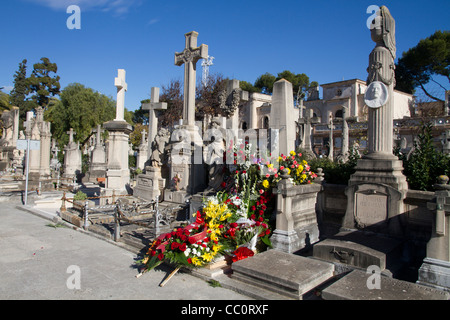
[153, 105]
[122, 87]
[189, 57]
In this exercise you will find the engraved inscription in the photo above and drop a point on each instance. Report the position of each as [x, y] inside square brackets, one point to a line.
[370, 208]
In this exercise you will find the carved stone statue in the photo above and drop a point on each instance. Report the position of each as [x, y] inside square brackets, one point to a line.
[158, 148]
[381, 82]
[213, 155]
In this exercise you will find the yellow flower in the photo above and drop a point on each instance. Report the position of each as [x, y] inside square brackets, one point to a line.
[292, 153]
[208, 256]
[288, 170]
[216, 248]
[304, 163]
[196, 261]
[270, 166]
[265, 184]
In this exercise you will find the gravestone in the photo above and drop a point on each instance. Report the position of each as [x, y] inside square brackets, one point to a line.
[306, 125]
[151, 184]
[38, 129]
[282, 115]
[186, 141]
[97, 166]
[152, 106]
[378, 180]
[376, 190]
[142, 154]
[8, 142]
[117, 173]
[357, 285]
[72, 158]
[287, 274]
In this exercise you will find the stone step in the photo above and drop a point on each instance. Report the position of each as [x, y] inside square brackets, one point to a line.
[354, 286]
[360, 250]
[286, 274]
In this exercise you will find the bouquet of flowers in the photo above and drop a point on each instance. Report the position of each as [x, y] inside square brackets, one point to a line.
[297, 168]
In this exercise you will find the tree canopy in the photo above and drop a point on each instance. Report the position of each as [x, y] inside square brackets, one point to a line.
[79, 108]
[418, 65]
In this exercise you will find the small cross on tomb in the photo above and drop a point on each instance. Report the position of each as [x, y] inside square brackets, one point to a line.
[122, 87]
[153, 105]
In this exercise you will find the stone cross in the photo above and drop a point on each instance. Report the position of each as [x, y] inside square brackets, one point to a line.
[189, 57]
[307, 123]
[153, 105]
[122, 87]
[70, 133]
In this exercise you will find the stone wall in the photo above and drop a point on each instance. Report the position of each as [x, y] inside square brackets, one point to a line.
[332, 204]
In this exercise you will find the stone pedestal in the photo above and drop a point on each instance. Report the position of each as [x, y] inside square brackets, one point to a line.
[375, 196]
[118, 173]
[149, 185]
[296, 221]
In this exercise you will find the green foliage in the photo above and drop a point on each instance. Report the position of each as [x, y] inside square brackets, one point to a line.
[79, 108]
[42, 83]
[425, 163]
[336, 172]
[417, 66]
[265, 83]
[80, 195]
[18, 95]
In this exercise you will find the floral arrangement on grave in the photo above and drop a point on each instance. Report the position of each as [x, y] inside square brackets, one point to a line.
[236, 222]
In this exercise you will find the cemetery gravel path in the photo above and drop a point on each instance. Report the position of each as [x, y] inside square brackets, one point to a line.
[35, 259]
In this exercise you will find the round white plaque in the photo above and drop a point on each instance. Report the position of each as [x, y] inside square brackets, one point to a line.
[376, 95]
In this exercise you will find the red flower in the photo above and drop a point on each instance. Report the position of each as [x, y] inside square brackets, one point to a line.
[191, 240]
[189, 260]
[223, 184]
[174, 245]
[242, 253]
[233, 225]
[183, 247]
[160, 256]
[253, 208]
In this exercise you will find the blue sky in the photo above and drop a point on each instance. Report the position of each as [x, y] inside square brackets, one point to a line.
[326, 39]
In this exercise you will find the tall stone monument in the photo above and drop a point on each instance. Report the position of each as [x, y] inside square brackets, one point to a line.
[117, 173]
[97, 167]
[72, 158]
[150, 184]
[187, 143]
[283, 115]
[376, 191]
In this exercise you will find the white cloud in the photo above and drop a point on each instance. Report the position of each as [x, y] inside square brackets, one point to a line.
[117, 7]
[6, 88]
